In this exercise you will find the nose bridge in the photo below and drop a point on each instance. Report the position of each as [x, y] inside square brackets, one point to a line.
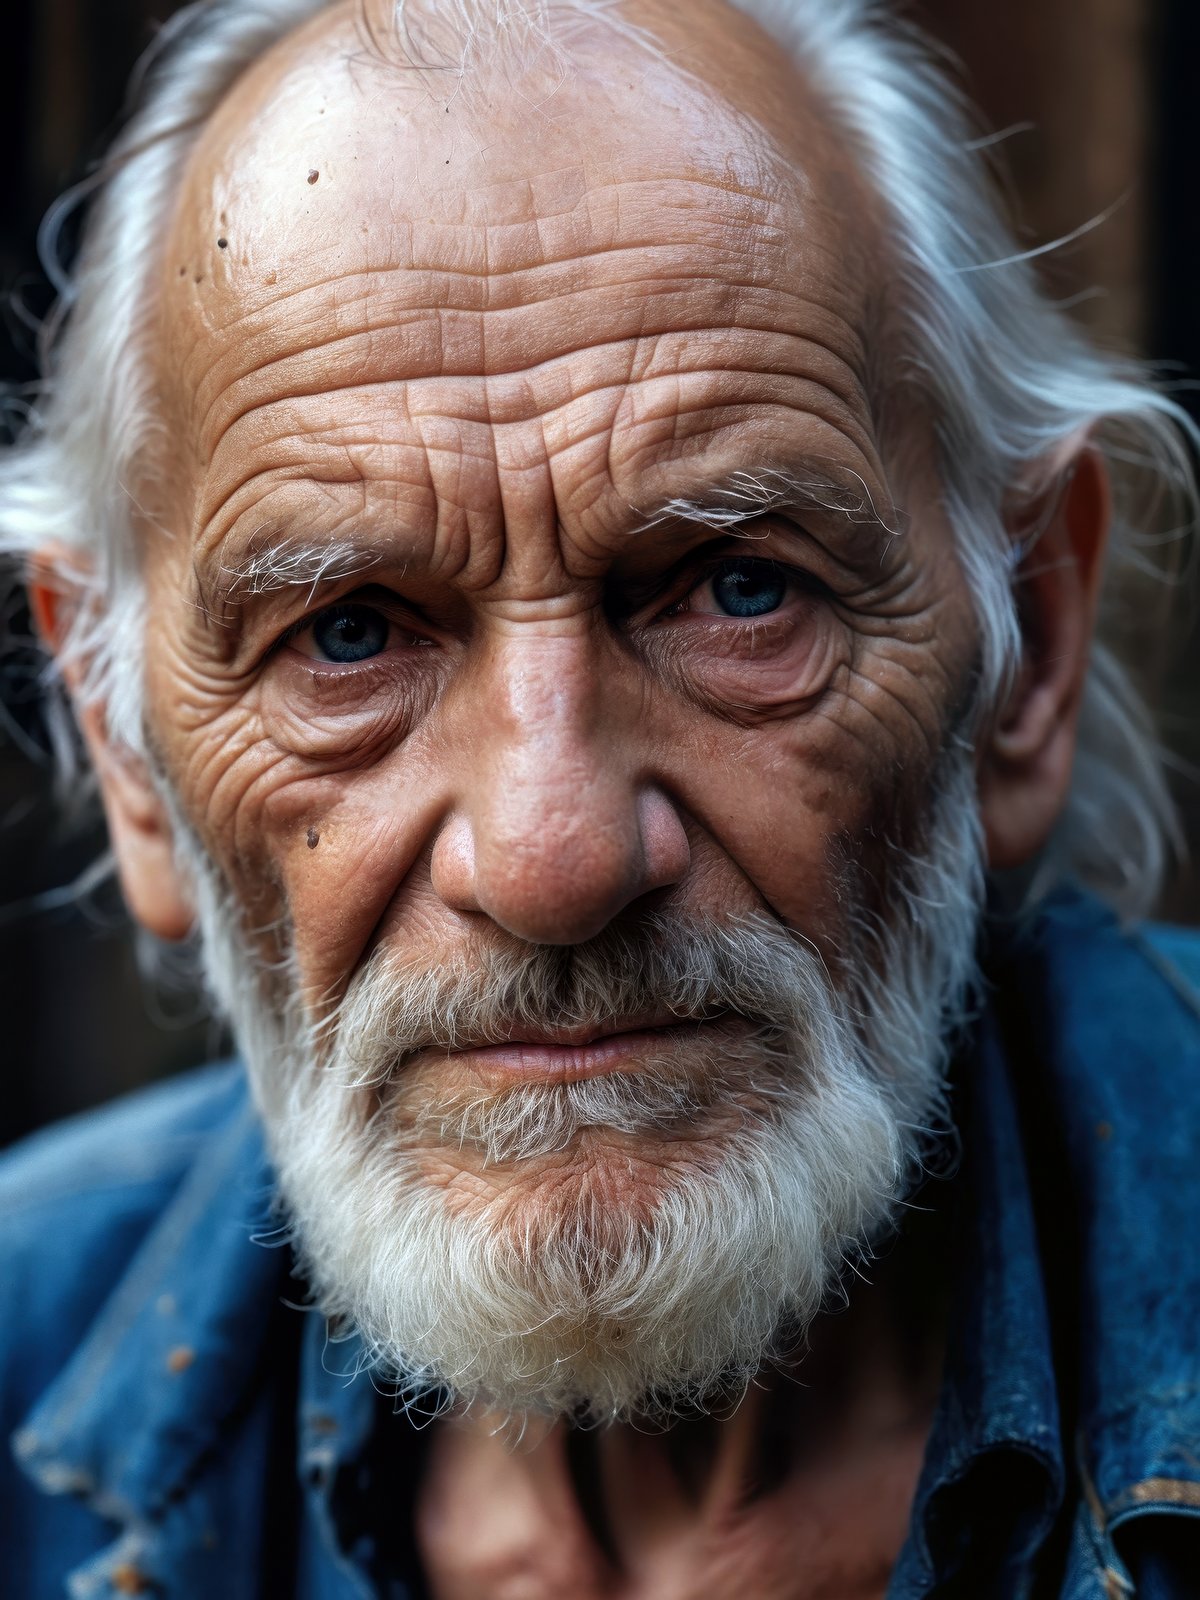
[551, 793]
[545, 694]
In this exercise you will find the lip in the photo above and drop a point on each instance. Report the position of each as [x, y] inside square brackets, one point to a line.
[569, 1056]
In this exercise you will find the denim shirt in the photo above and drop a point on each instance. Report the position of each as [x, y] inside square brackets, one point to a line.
[182, 1427]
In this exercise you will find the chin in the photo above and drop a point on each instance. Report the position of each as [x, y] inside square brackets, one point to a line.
[620, 1274]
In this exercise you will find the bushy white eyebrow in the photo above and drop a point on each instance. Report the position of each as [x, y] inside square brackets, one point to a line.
[745, 495]
[288, 564]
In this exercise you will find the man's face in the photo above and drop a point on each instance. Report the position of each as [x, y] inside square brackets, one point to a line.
[452, 649]
[470, 360]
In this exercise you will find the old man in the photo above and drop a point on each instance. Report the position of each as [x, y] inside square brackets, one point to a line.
[574, 542]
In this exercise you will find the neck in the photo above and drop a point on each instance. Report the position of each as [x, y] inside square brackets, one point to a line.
[816, 1465]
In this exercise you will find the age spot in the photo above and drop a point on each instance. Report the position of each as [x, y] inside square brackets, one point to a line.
[314, 838]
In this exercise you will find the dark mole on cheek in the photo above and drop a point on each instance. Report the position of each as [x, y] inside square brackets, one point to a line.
[222, 244]
[314, 838]
[313, 175]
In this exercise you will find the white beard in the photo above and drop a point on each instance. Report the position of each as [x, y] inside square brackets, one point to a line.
[621, 1286]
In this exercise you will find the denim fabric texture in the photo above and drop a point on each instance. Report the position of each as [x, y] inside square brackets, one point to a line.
[181, 1426]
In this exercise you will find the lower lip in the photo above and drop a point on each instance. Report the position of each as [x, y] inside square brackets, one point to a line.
[570, 1063]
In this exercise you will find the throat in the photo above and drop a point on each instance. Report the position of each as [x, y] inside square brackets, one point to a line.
[813, 1472]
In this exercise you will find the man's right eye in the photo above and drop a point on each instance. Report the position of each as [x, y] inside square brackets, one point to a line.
[344, 634]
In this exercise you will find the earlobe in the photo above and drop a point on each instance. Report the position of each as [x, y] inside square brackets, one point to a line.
[155, 890]
[1025, 767]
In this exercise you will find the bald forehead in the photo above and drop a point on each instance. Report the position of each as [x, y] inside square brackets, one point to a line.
[331, 149]
[703, 71]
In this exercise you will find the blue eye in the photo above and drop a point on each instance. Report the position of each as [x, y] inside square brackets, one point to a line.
[749, 588]
[350, 633]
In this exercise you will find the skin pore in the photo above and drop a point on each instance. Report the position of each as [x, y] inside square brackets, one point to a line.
[439, 649]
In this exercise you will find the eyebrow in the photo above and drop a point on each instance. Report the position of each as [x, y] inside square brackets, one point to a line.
[276, 564]
[745, 496]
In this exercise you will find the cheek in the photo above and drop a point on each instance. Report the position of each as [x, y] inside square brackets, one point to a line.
[772, 809]
[328, 854]
[349, 850]
[312, 855]
[808, 811]
[314, 819]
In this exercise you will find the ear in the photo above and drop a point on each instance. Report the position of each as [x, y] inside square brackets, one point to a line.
[155, 890]
[1025, 765]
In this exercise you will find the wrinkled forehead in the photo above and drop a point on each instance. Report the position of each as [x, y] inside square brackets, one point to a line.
[337, 176]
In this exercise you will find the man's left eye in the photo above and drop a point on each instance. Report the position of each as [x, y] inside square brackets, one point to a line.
[344, 634]
[741, 588]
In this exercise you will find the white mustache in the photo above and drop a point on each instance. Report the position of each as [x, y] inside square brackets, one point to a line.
[665, 968]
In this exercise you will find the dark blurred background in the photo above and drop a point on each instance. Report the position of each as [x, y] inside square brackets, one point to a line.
[1097, 102]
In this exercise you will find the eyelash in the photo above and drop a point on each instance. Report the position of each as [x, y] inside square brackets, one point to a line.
[386, 604]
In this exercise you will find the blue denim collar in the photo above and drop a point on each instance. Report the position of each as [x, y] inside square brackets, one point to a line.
[164, 1371]
[998, 1407]
[1108, 1099]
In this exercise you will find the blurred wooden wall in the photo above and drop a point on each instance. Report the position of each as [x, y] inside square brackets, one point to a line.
[1072, 79]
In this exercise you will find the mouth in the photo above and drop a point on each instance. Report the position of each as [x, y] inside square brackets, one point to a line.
[568, 1055]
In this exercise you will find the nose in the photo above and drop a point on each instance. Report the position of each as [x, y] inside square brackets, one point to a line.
[557, 826]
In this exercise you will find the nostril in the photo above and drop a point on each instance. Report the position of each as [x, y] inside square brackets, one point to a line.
[452, 865]
[666, 851]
